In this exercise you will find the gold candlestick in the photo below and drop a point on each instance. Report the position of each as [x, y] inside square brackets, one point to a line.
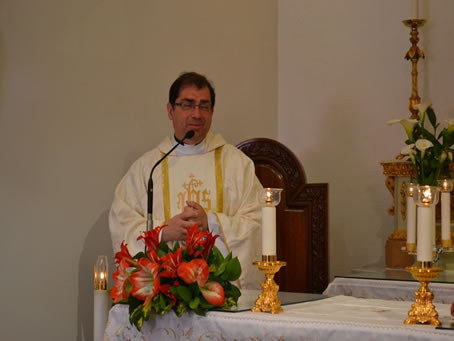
[413, 54]
[423, 311]
[268, 299]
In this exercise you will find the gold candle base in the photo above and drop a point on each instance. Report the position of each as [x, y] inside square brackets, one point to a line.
[268, 299]
[423, 311]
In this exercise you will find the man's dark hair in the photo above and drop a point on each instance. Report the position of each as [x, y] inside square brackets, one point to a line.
[190, 79]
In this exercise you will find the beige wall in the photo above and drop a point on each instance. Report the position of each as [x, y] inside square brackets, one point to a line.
[341, 77]
[83, 88]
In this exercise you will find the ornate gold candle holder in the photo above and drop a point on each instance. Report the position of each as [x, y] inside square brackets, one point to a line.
[268, 299]
[413, 54]
[423, 311]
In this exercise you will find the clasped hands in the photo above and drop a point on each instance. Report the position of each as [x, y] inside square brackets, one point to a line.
[192, 214]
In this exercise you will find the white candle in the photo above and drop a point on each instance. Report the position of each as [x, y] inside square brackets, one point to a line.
[100, 313]
[445, 216]
[414, 9]
[411, 223]
[425, 225]
[269, 231]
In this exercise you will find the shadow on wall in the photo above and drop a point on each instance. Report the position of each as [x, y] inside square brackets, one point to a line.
[97, 243]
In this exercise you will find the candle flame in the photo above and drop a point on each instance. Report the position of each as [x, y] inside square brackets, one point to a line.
[427, 193]
[268, 196]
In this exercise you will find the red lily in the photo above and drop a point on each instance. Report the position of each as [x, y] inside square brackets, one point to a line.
[213, 292]
[124, 254]
[165, 289]
[123, 287]
[145, 282]
[151, 238]
[170, 264]
[207, 244]
[193, 240]
[195, 270]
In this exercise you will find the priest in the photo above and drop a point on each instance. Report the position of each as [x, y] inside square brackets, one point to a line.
[206, 181]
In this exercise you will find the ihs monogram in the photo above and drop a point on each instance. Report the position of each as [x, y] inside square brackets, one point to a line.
[194, 192]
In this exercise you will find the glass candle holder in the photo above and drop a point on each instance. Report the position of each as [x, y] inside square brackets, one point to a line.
[270, 196]
[101, 273]
[427, 196]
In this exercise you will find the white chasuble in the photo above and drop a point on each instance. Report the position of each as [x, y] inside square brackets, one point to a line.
[193, 178]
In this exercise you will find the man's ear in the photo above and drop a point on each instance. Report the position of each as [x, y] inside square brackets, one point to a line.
[170, 111]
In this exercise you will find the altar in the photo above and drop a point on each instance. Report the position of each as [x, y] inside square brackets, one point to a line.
[390, 284]
[317, 318]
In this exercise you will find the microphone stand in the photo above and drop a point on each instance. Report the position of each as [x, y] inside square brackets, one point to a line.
[188, 135]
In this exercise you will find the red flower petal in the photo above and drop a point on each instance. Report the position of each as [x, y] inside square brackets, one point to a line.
[195, 270]
[145, 284]
[121, 290]
[213, 292]
[124, 254]
[151, 238]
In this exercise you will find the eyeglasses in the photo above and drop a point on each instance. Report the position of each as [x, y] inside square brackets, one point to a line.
[203, 107]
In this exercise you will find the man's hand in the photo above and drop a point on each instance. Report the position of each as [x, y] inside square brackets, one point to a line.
[192, 214]
[175, 229]
[195, 214]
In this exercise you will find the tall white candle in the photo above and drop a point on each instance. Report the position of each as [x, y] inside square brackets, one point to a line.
[411, 224]
[414, 9]
[269, 231]
[100, 311]
[445, 216]
[424, 246]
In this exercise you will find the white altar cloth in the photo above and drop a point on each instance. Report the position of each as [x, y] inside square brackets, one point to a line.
[387, 289]
[336, 318]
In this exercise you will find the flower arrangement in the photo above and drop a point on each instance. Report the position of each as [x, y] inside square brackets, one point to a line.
[195, 277]
[429, 153]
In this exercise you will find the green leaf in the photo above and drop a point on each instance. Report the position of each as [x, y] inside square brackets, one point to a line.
[221, 269]
[194, 303]
[184, 293]
[232, 271]
[432, 118]
[139, 255]
[136, 317]
[164, 247]
[162, 301]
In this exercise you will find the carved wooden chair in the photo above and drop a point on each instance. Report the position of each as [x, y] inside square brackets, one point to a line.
[301, 217]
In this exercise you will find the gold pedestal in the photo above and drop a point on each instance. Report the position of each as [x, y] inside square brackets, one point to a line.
[423, 311]
[268, 299]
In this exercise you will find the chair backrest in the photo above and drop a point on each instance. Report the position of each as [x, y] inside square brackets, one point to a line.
[301, 217]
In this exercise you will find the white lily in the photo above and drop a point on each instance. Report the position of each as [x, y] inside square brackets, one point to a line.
[422, 107]
[408, 149]
[450, 123]
[422, 145]
[443, 156]
[408, 125]
[391, 122]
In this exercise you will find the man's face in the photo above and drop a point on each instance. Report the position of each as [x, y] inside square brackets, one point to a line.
[186, 117]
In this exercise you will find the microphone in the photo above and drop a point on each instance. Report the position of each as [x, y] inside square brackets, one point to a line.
[188, 135]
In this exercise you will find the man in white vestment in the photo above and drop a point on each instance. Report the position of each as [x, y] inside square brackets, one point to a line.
[205, 181]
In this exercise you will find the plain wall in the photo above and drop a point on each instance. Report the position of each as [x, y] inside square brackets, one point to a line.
[342, 76]
[83, 92]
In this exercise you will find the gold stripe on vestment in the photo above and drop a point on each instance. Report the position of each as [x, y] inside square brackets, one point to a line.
[165, 187]
[219, 182]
